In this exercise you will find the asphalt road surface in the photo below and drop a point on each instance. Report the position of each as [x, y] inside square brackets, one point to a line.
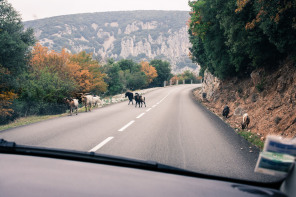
[173, 129]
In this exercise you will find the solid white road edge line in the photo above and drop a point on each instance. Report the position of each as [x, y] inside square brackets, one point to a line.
[127, 125]
[148, 109]
[139, 116]
[100, 145]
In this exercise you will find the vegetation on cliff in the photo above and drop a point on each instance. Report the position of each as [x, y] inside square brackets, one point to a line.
[233, 38]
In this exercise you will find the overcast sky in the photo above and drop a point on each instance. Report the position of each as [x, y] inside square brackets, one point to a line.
[37, 9]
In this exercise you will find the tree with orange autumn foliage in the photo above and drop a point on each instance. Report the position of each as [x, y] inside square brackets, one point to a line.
[174, 79]
[53, 76]
[277, 19]
[80, 68]
[149, 71]
[6, 95]
[91, 78]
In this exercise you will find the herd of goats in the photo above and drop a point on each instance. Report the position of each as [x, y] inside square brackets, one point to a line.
[246, 119]
[89, 101]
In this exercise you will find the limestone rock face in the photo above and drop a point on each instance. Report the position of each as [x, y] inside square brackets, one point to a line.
[137, 35]
[210, 85]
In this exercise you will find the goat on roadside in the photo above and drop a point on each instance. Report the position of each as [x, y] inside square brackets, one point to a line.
[87, 101]
[246, 121]
[73, 104]
[139, 100]
[96, 100]
[225, 111]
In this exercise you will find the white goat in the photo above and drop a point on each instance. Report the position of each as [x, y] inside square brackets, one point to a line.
[87, 101]
[96, 101]
[246, 121]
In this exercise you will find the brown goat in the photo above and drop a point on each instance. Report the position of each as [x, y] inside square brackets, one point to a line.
[139, 100]
[73, 104]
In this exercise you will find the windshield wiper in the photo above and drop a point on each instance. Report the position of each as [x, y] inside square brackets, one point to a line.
[13, 148]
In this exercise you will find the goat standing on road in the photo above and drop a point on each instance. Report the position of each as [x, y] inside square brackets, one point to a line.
[130, 96]
[139, 100]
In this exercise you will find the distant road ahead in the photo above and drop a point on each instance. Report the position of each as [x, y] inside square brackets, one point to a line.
[173, 129]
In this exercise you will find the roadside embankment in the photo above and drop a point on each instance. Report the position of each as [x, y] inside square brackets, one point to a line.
[269, 98]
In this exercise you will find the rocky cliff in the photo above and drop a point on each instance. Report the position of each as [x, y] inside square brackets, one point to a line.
[137, 35]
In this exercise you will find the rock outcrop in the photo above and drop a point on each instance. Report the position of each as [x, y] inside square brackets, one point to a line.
[137, 35]
[210, 86]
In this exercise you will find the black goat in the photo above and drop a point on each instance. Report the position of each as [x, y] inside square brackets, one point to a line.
[225, 111]
[139, 100]
[130, 96]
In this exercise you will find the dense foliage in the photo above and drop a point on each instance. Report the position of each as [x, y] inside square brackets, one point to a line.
[163, 69]
[232, 38]
[14, 54]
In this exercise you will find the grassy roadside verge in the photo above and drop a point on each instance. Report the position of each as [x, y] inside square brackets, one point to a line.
[33, 119]
[252, 138]
[28, 120]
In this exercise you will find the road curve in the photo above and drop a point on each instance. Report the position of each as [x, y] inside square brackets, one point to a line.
[173, 129]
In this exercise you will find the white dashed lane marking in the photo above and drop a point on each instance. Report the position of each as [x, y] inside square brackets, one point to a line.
[127, 125]
[100, 145]
[142, 114]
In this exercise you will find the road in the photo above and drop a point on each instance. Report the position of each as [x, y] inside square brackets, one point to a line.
[173, 129]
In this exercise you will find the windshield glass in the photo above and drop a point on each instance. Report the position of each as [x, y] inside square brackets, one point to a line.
[196, 85]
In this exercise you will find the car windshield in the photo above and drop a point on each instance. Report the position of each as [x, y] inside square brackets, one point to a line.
[197, 85]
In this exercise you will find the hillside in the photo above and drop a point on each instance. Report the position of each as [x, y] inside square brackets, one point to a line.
[269, 97]
[137, 35]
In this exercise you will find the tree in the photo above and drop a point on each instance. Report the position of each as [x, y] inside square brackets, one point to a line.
[174, 79]
[91, 77]
[54, 75]
[277, 19]
[205, 32]
[14, 39]
[115, 79]
[14, 54]
[163, 69]
[129, 65]
[149, 71]
[136, 80]
[187, 75]
[6, 97]
[232, 38]
[43, 92]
